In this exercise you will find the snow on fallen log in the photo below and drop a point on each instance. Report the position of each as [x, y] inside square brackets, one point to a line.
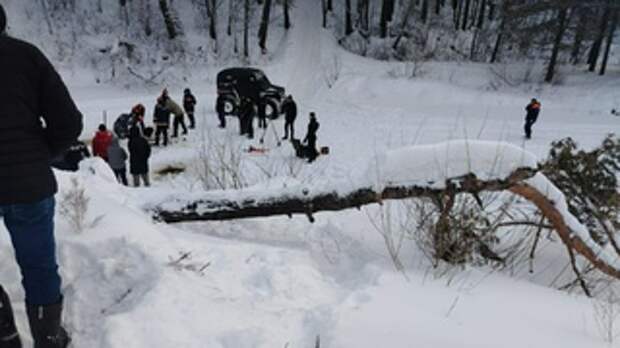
[417, 171]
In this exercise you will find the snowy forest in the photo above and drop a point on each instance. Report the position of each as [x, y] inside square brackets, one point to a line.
[450, 177]
[122, 36]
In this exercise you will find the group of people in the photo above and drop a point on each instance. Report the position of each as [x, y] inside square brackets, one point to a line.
[164, 107]
[249, 110]
[107, 146]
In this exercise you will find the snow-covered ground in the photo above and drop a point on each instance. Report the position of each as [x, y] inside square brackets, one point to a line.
[280, 282]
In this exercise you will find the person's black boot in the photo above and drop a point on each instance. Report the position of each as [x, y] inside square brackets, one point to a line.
[46, 328]
[9, 337]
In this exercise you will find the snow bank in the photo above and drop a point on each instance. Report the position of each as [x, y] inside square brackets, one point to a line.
[431, 165]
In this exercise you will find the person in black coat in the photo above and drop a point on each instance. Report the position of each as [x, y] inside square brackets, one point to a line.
[310, 139]
[139, 153]
[262, 113]
[189, 104]
[220, 108]
[39, 121]
[161, 119]
[247, 113]
[289, 108]
[533, 109]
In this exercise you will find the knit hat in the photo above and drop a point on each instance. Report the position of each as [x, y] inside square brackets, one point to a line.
[2, 19]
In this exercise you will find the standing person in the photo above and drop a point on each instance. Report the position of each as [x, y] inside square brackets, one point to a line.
[31, 90]
[533, 109]
[175, 109]
[189, 104]
[289, 108]
[137, 116]
[246, 115]
[101, 142]
[262, 113]
[220, 108]
[313, 127]
[117, 156]
[161, 120]
[139, 153]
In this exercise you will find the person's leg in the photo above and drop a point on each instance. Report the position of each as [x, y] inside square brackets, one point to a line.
[157, 135]
[182, 121]
[31, 227]
[145, 178]
[192, 120]
[528, 129]
[292, 126]
[9, 337]
[123, 174]
[175, 127]
[136, 180]
[165, 134]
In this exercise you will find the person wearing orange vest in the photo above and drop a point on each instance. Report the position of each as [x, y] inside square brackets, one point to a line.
[533, 109]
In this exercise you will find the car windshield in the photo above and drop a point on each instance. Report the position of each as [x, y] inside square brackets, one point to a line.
[261, 79]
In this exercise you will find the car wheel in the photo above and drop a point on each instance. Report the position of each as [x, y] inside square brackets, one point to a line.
[230, 106]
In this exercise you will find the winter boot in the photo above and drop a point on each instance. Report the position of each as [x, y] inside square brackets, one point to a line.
[9, 337]
[45, 325]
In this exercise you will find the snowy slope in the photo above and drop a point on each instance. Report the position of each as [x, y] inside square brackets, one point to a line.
[280, 282]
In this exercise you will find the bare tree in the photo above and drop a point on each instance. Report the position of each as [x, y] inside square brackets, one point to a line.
[348, 27]
[387, 14]
[561, 29]
[246, 28]
[171, 27]
[287, 18]
[610, 39]
[264, 26]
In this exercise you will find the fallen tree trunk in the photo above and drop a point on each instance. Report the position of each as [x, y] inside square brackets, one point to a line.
[246, 205]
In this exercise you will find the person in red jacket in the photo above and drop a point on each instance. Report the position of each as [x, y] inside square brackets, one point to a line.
[101, 142]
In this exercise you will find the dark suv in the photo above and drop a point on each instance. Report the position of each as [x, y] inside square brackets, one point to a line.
[236, 83]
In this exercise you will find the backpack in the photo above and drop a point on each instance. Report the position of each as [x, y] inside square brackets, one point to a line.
[122, 125]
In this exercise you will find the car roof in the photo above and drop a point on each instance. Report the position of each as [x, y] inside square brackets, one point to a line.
[238, 71]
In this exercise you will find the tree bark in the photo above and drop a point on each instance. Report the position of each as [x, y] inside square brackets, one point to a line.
[212, 14]
[466, 15]
[287, 18]
[483, 7]
[424, 12]
[264, 26]
[348, 27]
[168, 19]
[387, 12]
[610, 39]
[362, 15]
[562, 21]
[246, 28]
[595, 50]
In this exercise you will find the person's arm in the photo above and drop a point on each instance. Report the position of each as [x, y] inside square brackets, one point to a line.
[63, 121]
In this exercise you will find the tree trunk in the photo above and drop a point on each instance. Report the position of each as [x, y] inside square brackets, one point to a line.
[424, 14]
[465, 15]
[348, 26]
[264, 26]
[438, 5]
[231, 17]
[246, 28]
[387, 12]
[287, 18]
[330, 6]
[324, 10]
[363, 16]
[610, 39]
[405, 22]
[562, 19]
[246, 205]
[579, 35]
[483, 7]
[168, 19]
[212, 14]
[595, 50]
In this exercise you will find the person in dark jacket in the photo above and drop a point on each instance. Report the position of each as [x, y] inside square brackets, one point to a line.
[533, 109]
[117, 156]
[70, 159]
[139, 153]
[220, 108]
[161, 119]
[289, 108]
[189, 104]
[310, 139]
[262, 114]
[101, 142]
[247, 113]
[30, 91]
